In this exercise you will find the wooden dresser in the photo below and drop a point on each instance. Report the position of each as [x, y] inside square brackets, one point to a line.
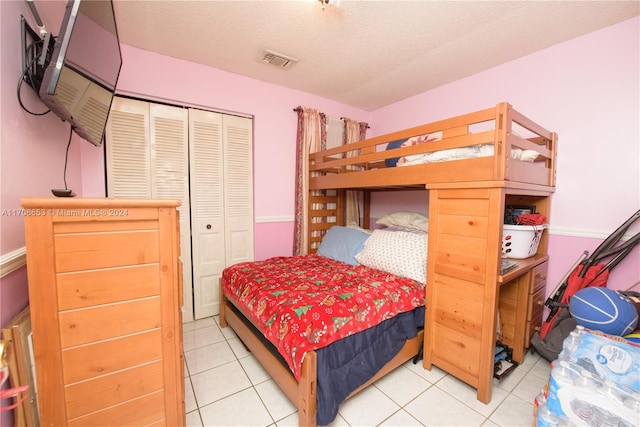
[105, 293]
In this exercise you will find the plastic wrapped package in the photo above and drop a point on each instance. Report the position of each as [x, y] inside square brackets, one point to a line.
[594, 382]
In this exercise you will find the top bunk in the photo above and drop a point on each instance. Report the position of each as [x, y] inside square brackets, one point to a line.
[495, 147]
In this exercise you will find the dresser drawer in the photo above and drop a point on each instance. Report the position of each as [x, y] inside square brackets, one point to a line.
[536, 304]
[533, 325]
[539, 279]
[103, 297]
[534, 315]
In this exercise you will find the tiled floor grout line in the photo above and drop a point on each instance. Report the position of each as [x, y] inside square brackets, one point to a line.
[531, 370]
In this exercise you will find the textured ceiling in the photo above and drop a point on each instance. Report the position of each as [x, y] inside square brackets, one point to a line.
[366, 54]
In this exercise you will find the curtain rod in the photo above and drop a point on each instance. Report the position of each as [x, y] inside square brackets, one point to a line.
[298, 109]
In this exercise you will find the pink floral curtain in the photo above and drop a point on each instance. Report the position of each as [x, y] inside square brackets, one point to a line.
[311, 137]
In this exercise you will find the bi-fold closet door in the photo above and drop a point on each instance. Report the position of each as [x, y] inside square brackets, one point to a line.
[205, 160]
[221, 185]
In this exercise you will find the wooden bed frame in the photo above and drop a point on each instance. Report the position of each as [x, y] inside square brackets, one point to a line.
[302, 393]
[361, 165]
[464, 195]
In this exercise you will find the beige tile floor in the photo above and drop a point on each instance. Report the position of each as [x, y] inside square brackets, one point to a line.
[226, 386]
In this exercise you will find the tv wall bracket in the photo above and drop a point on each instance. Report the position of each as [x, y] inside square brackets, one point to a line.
[35, 57]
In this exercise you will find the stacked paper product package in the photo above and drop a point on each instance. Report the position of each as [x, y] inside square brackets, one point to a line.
[594, 382]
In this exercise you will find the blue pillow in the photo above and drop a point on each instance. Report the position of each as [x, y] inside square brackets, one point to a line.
[393, 144]
[343, 244]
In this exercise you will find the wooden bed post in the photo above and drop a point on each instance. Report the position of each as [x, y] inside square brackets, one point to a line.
[341, 207]
[307, 399]
[502, 129]
[551, 145]
[223, 304]
[366, 209]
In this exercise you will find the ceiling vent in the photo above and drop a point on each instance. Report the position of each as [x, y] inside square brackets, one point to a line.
[277, 59]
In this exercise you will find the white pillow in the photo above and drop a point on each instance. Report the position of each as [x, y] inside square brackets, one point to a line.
[516, 153]
[452, 154]
[417, 159]
[403, 253]
[405, 219]
[524, 155]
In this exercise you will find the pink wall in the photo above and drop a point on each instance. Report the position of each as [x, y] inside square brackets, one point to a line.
[274, 129]
[32, 150]
[32, 153]
[586, 89]
[270, 105]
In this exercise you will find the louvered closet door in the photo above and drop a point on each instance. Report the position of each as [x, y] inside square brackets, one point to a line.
[238, 189]
[203, 159]
[128, 155]
[169, 143]
[207, 209]
[221, 176]
[147, 157]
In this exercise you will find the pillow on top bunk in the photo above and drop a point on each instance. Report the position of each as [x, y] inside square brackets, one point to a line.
[342, 244]
[420, 139]
[404, 219]
[390, 163]
[403, 253]
[528, 156]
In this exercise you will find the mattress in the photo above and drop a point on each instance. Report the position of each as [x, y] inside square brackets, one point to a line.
[356, 318]
[469, 152]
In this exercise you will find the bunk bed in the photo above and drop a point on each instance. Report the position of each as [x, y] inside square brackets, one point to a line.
[472, 165]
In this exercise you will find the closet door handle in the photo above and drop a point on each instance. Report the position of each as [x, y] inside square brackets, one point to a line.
[208, 226]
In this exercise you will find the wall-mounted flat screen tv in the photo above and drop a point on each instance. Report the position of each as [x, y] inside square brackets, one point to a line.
[80, 80]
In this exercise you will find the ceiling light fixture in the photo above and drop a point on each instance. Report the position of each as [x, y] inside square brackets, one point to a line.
[333, 3]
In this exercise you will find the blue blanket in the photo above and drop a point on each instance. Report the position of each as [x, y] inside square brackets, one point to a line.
[348, 363]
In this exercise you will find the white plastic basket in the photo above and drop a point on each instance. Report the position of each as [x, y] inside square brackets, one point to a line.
[521, 241]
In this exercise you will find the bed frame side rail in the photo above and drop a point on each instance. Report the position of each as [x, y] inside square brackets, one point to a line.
[502, 126]
[514, 129]
[302, 393]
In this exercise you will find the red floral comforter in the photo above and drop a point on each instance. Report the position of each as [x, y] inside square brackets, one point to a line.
[306, 302]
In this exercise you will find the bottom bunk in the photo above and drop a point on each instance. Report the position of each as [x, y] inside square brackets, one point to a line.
[317, 372]
[303, 393]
